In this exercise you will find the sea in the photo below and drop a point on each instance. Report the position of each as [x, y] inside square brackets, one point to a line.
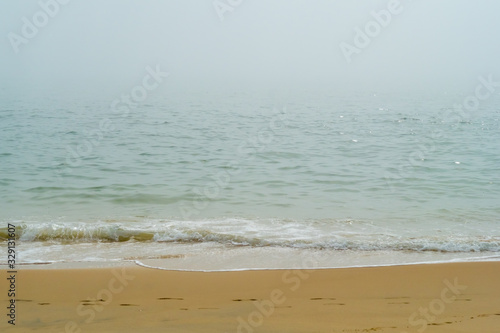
[242, 179]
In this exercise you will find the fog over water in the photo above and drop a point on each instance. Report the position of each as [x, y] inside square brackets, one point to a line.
[103, 46]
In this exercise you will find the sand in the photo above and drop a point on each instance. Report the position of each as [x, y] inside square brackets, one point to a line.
[452, 297]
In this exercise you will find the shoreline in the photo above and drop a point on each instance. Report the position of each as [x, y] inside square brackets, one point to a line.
[139, 263]
[446, 297]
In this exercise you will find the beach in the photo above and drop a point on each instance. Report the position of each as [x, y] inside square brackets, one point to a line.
[249, 166]
[445, 297]
[213, 201]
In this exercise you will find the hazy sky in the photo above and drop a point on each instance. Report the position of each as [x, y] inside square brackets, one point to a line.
[107, 44]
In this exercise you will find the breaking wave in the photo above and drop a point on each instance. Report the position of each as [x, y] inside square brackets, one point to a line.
[237, 232]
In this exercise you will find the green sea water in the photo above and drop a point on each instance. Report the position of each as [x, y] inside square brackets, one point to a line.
[364, 171]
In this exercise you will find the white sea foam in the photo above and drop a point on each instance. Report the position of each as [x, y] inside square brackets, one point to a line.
[280, 233]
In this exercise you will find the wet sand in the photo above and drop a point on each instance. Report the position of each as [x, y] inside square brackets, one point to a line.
[452, 297]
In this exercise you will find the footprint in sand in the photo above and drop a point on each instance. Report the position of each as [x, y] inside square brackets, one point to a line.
[170, 299]
[437, 324]
[398, 303]
[91, 301]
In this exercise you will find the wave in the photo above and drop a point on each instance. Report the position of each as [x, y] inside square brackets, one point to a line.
[250, 233]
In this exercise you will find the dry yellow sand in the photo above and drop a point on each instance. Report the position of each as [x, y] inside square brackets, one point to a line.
[453, 297]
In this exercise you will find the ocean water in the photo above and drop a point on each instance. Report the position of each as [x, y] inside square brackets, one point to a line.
[207, 180]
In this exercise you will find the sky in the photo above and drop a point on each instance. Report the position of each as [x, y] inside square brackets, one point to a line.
[105, 45]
